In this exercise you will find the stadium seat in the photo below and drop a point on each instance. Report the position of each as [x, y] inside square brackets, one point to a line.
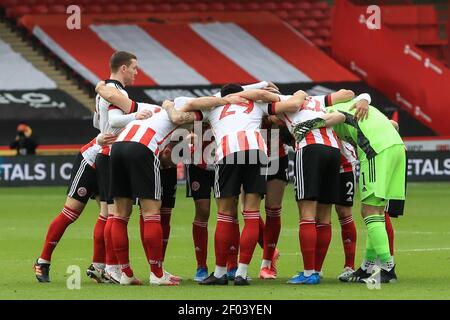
[316, 14]
[269, 6]
[323, 32]
[307, 33]
[319, 5]
[199, 7]
[298, 14]
[163, 7]
[113, 8]
[311, 24]
[282, 14]
[129, 8]
[294, 22]
[146, 7]
[94, 8]
[39, 9]
[216, 6]
[17, 11]
[181, 7]
[303, 5]
[286, 5]
[319, 42]
[252, 6]
[57, 9]
[234, 6]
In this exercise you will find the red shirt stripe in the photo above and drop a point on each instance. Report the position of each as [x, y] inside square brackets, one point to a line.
[326, 139]
[260, 140]
[131, 133]
[243, 141]
[147, 137]
[310, 138]
[225, 146]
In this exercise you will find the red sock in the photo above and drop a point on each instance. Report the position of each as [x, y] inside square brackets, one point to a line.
[166, 213]
[348, 234]
[119, 236]
[271, 231]
[390, 232]
[141, 232]
[99, 240]
[200, 236]
[262, 226]
[249, 237]
[232, 261]
[323, 242]
[56, 231]
[109, 249]
[308, 239]
[223, 238]
[154, 243]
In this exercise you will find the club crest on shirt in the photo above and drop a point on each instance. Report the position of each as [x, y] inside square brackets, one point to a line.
[195, 186]
[81, 191]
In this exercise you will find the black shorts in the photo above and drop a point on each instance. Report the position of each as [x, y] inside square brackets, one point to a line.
[282, 173]
[102, 165]
[199, 182]
[395, 208]
[169, 187]
[83, 180]
[245, 168]
[346, 189]
[316, 173]
[135, 172]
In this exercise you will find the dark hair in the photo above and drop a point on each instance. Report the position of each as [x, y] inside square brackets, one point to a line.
[120, 58]
[230, 88]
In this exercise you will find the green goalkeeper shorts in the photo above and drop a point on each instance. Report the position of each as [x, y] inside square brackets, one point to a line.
[382, 178]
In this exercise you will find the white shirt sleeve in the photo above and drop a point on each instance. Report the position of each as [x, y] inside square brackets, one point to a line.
[117, 119]
[95, 121]
[363, 96]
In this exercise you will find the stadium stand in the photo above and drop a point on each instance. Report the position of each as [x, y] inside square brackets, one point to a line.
[14, 66]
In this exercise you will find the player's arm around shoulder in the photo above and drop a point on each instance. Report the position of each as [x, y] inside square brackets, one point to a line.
[115, 97]
[179, 117]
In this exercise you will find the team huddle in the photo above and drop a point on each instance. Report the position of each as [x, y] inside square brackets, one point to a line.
[241, 154]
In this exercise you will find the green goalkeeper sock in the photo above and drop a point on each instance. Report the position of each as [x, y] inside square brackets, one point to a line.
[371, 254]
[378, 238]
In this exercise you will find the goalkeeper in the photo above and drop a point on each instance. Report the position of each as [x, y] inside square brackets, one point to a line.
[382, 157]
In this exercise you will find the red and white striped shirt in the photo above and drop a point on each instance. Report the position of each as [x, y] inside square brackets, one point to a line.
[237, 127]
[313, 107]
[281, 148]
[153, 132]
[103, 109]
[89, 152]
[348, 157]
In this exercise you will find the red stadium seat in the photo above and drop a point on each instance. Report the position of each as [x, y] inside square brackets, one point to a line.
[316, 14]
[303, 5]
[310, 24]
[94, 8]
[234, 6]
[294, 22]
[282, 14]
[269, 6]
[113, 8]
[286, 5]
[216, 6]
[39, 9]
[181, 7]
[323, 32]
[298, 14]
[57, 9]
[146, 7]
[17, 11]
[129, 8]
[320, 5]
[163, 7]
[319, 42]
[252, 6]
[307, 32]
[199, 7]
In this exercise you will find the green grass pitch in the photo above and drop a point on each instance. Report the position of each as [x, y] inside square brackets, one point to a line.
[422, 246]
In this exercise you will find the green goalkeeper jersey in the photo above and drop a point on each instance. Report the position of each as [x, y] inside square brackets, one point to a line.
[371, 135]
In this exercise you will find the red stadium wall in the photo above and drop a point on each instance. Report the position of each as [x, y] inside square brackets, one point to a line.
[415, 81]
